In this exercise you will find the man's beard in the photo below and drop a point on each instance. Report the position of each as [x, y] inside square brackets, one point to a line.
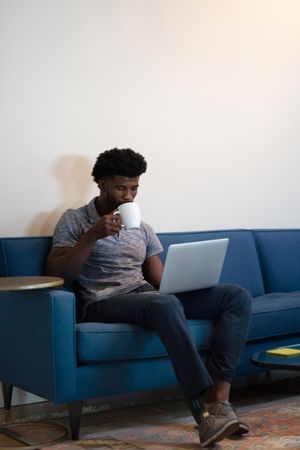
[112, 202]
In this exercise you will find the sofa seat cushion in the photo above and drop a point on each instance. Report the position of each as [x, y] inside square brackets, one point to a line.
[97, 342]
[275, 314]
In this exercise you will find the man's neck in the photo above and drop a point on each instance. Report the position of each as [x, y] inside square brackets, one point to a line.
[101, 206]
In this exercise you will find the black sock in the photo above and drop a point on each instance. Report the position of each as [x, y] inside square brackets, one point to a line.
[197, 404]
[198, 409]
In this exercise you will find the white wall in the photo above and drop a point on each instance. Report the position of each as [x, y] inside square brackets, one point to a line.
[207, 90]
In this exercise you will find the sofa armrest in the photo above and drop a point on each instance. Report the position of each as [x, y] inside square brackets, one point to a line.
[38, 342]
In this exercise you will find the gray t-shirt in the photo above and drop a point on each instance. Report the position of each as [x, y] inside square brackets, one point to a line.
[115, 263]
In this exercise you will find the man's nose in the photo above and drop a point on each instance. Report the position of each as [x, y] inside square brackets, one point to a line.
[128, 196]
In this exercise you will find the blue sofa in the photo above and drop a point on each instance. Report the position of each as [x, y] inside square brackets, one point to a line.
[44, 351]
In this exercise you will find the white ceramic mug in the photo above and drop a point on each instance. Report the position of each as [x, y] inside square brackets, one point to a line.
[130, 215]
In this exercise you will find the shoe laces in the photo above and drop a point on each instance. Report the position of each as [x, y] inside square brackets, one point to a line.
[220, 407]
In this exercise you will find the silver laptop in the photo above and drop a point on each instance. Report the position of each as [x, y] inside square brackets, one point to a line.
[193, 265]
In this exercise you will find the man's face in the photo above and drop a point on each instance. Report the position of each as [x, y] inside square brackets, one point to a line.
[118, 189]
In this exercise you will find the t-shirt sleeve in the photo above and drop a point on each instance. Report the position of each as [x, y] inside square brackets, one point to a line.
[67, 231]
[154, 246]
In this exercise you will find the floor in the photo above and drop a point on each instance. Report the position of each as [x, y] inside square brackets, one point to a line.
[151, 425]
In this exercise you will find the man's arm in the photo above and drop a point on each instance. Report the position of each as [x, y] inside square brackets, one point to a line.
[152, 270]
[67, 262]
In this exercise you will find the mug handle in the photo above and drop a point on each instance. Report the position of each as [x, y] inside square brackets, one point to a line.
[118, 213]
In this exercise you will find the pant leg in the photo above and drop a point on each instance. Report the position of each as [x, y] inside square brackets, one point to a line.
[229, 307]
[164, 314]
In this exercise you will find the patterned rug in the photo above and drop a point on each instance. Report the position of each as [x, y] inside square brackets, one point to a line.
[274, 424]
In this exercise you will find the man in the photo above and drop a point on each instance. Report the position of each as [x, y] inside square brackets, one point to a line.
[118, 273]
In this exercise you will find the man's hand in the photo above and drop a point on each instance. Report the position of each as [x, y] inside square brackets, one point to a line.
[106, 226]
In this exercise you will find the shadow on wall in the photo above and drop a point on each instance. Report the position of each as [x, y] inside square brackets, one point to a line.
[73, 173]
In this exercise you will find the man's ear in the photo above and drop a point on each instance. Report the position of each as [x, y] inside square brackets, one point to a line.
[101, 185]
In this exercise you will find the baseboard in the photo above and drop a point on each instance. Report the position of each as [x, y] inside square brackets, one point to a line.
[20, 397]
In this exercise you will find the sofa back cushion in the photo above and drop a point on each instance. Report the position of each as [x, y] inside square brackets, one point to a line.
[241, 265]
[23, 256]
[279, 253]
[26, 256]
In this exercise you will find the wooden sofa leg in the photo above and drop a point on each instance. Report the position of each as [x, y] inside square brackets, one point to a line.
[75, 417]
[7, 395]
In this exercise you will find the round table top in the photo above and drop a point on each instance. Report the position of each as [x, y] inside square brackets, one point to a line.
[265, 360]
[22, 283]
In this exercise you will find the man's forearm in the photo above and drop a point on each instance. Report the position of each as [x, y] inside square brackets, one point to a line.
[69, 263]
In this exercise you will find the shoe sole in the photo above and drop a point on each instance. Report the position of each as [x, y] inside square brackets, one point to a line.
[228, 429]
[241, 430]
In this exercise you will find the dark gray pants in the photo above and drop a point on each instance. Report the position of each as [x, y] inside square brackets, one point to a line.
[227, 305]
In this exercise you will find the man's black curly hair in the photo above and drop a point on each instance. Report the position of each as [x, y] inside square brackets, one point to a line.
[124, 162]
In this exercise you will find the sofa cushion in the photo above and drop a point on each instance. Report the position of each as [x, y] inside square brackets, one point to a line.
[241, 265]
[23, 256]
[279, 252]
[275, 314]
[121, 341]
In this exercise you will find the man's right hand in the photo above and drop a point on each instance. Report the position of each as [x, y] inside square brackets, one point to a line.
[106, 226]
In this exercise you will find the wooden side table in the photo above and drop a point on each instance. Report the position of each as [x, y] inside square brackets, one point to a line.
[23, 283]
